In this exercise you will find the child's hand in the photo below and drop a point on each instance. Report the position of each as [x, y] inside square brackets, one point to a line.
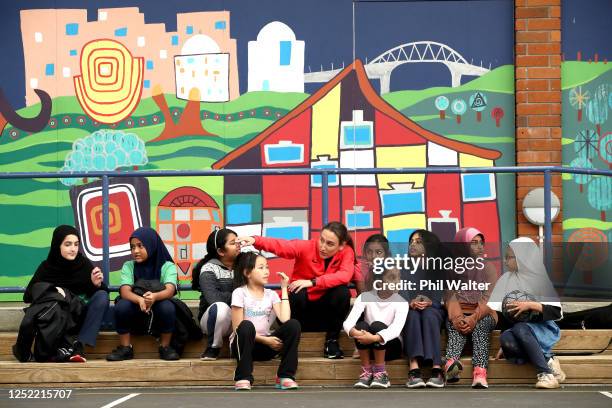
[149, 299]
[96, 276]
[500, 354]
[284, 280]
[274, 343]
[367, 338]
[143, 305]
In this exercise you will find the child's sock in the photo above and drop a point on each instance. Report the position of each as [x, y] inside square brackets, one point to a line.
[378, 368]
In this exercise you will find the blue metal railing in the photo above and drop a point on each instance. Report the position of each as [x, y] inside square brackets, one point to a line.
[324, 173]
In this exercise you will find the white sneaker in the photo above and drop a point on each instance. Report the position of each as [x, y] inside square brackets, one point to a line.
[555, 366]
[547, 381]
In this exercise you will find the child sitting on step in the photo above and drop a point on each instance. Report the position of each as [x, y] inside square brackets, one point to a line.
[384, 315]
[254, 309]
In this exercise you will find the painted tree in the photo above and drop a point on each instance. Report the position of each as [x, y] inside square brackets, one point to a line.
[585, 144]
[442, 103]
[581, 179]
[597, 107]
[605, 148]
[578, 99]
[600, 195]
[478, 103]
[497, 113]
[458, 107]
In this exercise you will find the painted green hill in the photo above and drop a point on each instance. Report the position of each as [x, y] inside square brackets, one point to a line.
[574, 73]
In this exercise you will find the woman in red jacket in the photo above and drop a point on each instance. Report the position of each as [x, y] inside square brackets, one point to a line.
[318, 292]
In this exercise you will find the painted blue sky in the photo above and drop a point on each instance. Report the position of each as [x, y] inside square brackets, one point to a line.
[479, 30]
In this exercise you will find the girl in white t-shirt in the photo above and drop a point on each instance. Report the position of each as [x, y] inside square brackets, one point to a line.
[254, 309]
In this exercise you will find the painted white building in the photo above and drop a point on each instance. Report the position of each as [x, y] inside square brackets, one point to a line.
[202, 66]
[276, 60]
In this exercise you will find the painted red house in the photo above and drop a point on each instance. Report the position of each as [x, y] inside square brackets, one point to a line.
[347, 124]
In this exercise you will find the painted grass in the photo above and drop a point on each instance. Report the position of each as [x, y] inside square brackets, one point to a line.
[38, 198]
[566, 141]
[481, 139]
[499, 80]
[36, 239]
[576, 223]
[236, 129]
[61, 135]
[575, 73]
[422, 118]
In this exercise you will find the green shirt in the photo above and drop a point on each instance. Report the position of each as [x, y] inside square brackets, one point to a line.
[168, 274]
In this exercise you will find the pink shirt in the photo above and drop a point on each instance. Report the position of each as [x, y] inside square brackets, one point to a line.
[258, 311]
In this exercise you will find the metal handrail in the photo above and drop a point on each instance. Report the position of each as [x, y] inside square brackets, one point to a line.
[324, 173]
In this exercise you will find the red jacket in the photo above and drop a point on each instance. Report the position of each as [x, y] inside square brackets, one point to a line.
[309, 264]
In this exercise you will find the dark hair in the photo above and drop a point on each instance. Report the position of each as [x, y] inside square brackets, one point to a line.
[216, 240]
[340, 230]
[245, 262]
[431, 242]
[382, 240]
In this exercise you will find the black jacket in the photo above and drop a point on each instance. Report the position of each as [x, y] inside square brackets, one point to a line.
[49, 322]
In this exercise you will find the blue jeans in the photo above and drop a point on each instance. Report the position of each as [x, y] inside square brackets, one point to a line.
[126, 313]
[94, 313]
[520, 346]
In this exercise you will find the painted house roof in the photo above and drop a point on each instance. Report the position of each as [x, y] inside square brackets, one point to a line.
[377, 102]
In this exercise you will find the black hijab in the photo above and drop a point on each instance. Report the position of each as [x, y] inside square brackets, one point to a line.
[73, 275]
[157, 254]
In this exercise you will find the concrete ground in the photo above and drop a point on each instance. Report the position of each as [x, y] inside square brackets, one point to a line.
[266, 397]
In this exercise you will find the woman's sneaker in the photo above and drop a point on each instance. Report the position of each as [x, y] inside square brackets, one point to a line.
[332, 350]
[555, 367]
[242, 385]
[211, 354]
[380, 380]
[547, 381]
[168, 353]
[452, 368]
[415, 380]
[365, 379]
[286, 384]
[437, 379]
[479, 378]
[121, 353]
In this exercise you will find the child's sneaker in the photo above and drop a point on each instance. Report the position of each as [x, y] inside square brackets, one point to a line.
[555, 366]
[242, 385]
[210, 354]
[286, 384]
[547, 381]
[121, 353]
[452, 368]
[365, 379]
[415, 380]
[380, 380]
[479, 378]
[332, 350]
[437, 379]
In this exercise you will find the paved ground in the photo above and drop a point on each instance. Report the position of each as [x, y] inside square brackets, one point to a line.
[456, 397]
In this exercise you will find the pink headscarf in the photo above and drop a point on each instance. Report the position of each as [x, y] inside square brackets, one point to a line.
[465, 236]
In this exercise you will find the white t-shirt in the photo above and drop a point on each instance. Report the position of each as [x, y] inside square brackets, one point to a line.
[258, 311]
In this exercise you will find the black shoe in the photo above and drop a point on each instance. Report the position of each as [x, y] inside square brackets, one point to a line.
[78, 349]
[332, 350]
[121, 353]
[211, 353]
[168, 353]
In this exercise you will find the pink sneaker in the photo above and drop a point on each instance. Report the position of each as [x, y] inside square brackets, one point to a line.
[242, 385]
[479, 376]
[286, 384]
[452, 368]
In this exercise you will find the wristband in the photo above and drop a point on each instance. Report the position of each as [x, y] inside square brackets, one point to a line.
[314, 282]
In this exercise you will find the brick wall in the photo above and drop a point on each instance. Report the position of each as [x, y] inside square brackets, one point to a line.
[538, 99]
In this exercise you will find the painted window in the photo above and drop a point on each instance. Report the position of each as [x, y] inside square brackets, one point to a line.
[265, 86]
[165, 215]
[175, 40]
[478, 187]
[242, 209]
[146, 83]
[357, 136]
[285, 53]
[317, 180]
[359, 219]
[220, 25]
[402, 202]
[49, 69]
[73, 53]
[72, 29]
[285, 232]
[399, 236]
[121, 32]
[284, 152]
[149, 64]
[189, 30]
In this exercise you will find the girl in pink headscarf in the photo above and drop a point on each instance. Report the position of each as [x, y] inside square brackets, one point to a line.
[468, 313]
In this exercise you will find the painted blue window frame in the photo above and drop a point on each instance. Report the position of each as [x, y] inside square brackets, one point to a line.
[478, 187]
[285, 53]
[403, 202]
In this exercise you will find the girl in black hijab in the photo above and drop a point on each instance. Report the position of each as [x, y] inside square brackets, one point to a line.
[153, 274]
[67, 268]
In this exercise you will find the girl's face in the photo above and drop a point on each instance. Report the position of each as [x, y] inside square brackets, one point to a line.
[329, 244]
[139, 252]
[510, 260]
[259, 275]
[416, 247]
[373, 250]
[231, 249]
[69, 249]
[477, 246]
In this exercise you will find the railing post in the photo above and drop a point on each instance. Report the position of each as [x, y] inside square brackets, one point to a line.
[547, 222]
[105, 232]
[324, 197]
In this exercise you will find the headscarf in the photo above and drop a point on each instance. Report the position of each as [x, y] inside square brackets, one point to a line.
[73, 275]
[531, 276]
[157, 254]
[465, 236]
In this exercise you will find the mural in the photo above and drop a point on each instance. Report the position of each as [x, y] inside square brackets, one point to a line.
[140, 88]
[586, 82]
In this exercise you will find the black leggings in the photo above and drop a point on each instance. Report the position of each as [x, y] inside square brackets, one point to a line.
[246, 350]
[325, 314]
[393, 348]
